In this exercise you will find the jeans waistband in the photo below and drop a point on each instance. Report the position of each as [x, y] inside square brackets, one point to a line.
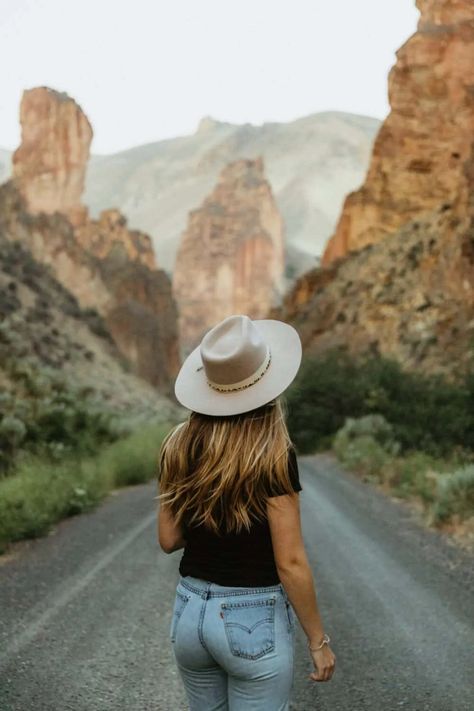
[206, 588]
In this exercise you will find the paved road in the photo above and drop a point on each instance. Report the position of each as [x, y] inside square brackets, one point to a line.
[85, 612]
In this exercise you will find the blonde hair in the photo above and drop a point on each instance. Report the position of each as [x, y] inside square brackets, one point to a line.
[217, 470]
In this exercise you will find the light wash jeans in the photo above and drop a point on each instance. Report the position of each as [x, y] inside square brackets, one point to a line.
[234, 646]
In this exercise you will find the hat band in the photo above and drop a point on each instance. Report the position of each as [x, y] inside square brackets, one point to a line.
[247, 382]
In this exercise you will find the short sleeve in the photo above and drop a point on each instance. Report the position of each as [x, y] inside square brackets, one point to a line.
[293, 470]
[293, 474]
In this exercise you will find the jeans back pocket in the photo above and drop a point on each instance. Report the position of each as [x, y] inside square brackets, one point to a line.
[250, 626]
[180, 602]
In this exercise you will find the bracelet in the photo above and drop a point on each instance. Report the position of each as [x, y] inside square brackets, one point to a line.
[326, 640]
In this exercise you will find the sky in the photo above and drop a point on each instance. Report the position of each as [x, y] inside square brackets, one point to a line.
[146, 70]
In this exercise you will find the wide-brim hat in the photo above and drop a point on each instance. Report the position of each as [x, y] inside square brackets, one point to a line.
[239, 365]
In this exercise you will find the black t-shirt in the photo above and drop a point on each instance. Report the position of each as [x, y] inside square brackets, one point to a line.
[243, 559]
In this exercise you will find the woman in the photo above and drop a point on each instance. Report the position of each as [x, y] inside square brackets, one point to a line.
[229, 486]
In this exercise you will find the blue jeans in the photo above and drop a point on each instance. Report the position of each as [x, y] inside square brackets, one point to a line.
[234, 646]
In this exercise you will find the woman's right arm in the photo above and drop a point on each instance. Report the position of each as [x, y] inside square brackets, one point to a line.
[296, 576]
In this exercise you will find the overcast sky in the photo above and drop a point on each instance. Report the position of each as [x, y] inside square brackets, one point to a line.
[144, 70]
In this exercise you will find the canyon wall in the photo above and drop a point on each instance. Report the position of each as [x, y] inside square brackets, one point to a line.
[102, 262]
[42, 326]
[420, 153]
[398, 275]
[409, 297]
[231, 256]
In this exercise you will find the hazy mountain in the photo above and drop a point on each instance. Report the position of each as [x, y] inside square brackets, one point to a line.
[311, 163]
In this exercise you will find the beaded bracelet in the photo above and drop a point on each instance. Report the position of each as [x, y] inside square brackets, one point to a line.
[326, 640]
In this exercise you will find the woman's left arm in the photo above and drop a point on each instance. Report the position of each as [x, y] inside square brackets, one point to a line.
[170, 534]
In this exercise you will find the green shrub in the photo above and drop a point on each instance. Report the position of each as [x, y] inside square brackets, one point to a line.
[455, 495]
[416, 473]
[134, 460]
[426, 412]
[365, 455]
[12, 433]
[320, 400]
[444, 494]
[374, 426]
[49, 416]
[41, 492]
[366, 444]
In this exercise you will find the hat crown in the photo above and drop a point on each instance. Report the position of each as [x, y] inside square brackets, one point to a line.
[233, 351]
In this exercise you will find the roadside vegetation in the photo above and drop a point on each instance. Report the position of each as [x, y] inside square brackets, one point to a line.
[412, 434]
[41, 491]
[62, 451]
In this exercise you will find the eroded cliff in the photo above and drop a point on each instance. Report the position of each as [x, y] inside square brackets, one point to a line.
[420, 153]
[231, 256]
[102, 262]
[49, 166]
[398, 275]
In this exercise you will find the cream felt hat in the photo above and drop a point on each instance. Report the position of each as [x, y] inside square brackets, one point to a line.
[239, 365]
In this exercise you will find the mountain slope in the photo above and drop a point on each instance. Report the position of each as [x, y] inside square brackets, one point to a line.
[42, 325]
[311, 164]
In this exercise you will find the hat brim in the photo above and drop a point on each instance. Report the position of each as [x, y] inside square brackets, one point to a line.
[193, 391]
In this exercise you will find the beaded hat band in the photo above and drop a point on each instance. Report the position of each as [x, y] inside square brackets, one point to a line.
[247, 382]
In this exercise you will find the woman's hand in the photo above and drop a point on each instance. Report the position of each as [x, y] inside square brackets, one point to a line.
[324, 661]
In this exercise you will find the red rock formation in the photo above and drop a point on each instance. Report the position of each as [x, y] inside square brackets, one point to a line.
[231, 256]
[42, 325]
[404, 287]
[421, 150]
[102, 262]
[110, 233]
[50, 164]
[135, 301]
[409, 297]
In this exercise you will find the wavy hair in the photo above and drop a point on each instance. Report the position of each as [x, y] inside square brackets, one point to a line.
[218, 471]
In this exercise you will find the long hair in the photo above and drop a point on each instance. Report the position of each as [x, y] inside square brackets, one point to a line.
[216, 470]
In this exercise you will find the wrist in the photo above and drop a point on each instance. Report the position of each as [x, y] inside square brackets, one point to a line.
[315, 643]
